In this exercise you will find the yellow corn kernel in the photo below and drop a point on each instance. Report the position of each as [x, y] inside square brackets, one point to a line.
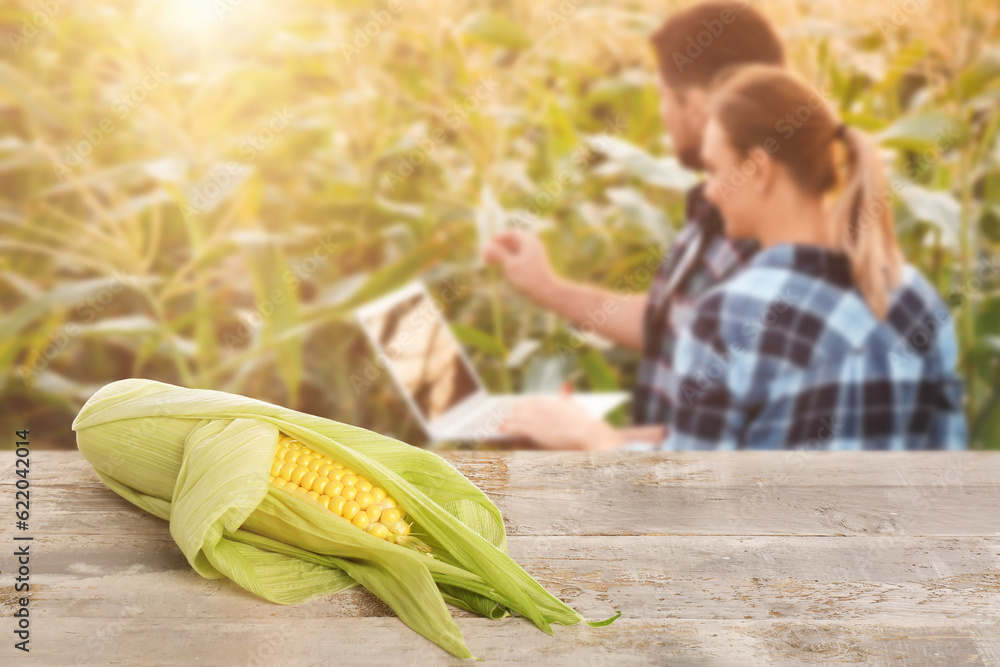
[333, 488]
[286, 471]
[400, 528]
[349, 492]
[308, 479]
[275, 467]
[387, 503]
[363, 484]
[316, 464]
[378, 493]
[325, 500]
[374, 512]
[319, 484]
[350, 509]
[390, 516]
[364, 499]
[361, 520]
[378, 530]
[349, 480]
[337, 505]
[297, 474]
[313, 495]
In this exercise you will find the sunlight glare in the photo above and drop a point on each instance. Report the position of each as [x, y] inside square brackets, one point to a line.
[193, 17]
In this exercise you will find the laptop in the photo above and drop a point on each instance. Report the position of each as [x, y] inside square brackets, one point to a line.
[414, 343]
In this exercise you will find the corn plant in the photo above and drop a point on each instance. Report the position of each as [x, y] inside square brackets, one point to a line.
[200, 193]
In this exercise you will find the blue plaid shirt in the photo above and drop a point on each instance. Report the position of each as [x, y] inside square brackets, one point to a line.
[700, 258]
[786, 354]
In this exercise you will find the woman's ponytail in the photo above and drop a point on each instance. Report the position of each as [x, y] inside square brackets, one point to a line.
[863, 218]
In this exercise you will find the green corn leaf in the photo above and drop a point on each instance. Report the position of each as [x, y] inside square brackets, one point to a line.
[598, 371]
[470, 336]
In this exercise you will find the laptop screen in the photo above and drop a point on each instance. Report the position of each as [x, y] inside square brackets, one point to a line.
[423, 353]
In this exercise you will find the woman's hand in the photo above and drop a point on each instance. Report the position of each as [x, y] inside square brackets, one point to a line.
[560, 423]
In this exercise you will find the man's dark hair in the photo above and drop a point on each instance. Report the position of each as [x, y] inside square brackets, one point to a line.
[696, 43]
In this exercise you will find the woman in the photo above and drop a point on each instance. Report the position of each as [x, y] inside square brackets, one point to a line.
[827, 339]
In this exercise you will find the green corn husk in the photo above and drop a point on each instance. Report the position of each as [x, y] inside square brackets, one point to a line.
[200, 460]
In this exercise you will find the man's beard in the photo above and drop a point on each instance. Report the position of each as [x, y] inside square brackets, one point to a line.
[690, 157]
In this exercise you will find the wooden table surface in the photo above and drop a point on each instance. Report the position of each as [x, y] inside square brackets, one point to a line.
[748, 558]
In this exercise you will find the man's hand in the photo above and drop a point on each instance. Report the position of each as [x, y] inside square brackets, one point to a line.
[615, 316]
[560, 423]
[524, 260]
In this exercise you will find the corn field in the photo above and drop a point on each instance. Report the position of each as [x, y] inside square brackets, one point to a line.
[202, 192]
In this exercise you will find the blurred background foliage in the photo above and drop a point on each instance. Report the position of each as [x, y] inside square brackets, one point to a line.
[200, 192]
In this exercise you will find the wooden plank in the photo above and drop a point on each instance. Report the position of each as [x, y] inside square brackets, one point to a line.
[818, 510]
[130, 640]
[935, 493]
[495, 471]
[646, 577]
[794, 468]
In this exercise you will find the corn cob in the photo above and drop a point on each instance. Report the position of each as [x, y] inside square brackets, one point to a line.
[306, 473]
[242, 482]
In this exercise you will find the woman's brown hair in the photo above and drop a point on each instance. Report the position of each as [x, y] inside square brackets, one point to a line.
[765, 107]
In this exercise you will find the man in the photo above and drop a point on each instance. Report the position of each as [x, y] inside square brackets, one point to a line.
[691, 47]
